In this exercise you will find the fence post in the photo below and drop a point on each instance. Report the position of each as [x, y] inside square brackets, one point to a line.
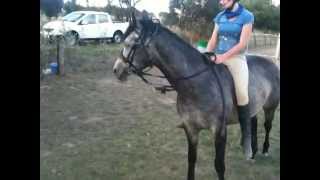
[255, 41]
[278, 48]
[270, 40]
[60, 56]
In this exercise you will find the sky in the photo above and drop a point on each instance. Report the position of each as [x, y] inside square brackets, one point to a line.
[276, 2]
[155, 6]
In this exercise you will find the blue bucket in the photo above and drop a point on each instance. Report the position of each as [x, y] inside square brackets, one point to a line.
[54, 68]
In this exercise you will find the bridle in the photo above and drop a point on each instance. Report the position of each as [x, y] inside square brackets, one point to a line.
[142, 42]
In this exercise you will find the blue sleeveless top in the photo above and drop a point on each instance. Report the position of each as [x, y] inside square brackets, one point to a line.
[229, 31]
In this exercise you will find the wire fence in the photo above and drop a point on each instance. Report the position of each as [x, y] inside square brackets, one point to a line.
[265, 45]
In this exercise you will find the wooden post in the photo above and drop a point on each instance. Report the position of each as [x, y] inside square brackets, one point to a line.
[270, 40]
[60, 56]
[278, 48]
[255, 40]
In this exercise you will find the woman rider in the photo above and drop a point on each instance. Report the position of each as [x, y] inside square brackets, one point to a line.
[232, 31]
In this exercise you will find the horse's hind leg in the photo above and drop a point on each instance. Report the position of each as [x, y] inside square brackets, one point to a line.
[269, 116]
[254, 142]
[192, 137]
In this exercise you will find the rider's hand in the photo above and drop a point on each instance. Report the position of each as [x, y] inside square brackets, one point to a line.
[213, 58]
[219, 58]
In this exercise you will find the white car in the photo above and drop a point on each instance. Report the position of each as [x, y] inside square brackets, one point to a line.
[85, 25]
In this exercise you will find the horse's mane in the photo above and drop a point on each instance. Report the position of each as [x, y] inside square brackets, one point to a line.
[128, 31]
[150, 27]
[182, 42]
[175, 36]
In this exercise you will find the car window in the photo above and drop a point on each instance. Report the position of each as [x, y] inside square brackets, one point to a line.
[72, 17]
[90, 19]
[103, 18]
[113, 18]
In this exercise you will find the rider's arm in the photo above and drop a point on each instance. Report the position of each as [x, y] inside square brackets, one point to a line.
[213, 40]
[244, 39]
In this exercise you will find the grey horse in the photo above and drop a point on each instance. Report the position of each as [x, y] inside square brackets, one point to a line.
[200, 102]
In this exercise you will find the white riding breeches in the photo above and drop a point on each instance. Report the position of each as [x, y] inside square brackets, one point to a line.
[238, 68]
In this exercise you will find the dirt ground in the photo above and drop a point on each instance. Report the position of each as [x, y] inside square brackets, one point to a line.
[93, 127]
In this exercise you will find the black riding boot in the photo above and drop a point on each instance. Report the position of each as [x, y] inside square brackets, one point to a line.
[245, 124]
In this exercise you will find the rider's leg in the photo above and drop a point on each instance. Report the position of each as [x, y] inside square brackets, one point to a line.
[238, 68]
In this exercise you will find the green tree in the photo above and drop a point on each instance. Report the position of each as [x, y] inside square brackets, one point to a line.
[51, 8]
[169, 19]
[120, 14]
[267, 17]
[70, 6]
[196, 15]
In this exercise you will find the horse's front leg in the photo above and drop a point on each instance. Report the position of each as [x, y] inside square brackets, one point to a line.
[220, 146]
[192, 137]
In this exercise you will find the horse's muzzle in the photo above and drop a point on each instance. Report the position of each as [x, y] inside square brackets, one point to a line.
[120, 69]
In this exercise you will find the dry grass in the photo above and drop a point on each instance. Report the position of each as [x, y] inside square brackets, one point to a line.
[93, 127]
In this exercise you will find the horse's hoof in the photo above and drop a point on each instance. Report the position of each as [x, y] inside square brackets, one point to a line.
[251, 160]
[248, 153]
[181, 125]
[266, 154]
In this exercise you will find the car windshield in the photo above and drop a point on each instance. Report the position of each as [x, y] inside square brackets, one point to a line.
[73, 17]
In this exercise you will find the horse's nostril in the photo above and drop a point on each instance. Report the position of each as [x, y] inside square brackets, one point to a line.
[114, 70]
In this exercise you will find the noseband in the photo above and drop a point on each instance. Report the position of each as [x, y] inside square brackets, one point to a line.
[130, 57]
[142, 43]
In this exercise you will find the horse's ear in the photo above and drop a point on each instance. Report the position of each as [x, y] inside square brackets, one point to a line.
[130, 19]
[133, 17]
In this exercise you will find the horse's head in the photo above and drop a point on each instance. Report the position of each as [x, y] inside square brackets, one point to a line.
[134, 56]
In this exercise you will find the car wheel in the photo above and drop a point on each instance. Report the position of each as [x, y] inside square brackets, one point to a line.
[71, 38]
[117, 37]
